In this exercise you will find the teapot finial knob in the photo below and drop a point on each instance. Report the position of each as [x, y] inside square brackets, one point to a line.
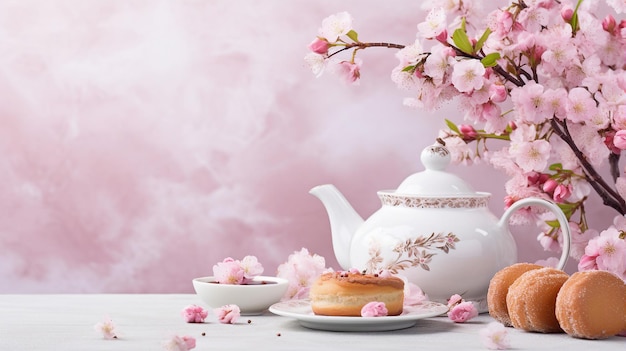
[436, 156]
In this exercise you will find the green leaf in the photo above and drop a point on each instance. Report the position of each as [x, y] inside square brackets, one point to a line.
[452, 126]
[556, 167]
[461, 41]
[353, 35]
[409, 68]
[491, 59]
[482, 40]
[553, 224]
[574, 21]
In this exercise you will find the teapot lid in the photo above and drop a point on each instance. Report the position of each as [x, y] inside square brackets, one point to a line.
[434, 180]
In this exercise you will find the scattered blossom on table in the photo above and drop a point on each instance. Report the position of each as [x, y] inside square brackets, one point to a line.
[194, 314]
[228, 314]
[461, 311]
[107, 328]
[180, 343]
[495, 336]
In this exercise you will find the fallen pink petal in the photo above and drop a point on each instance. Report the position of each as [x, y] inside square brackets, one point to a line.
[180, 343]
[228, 314]
[495, 336]
[194, 314]
[107, 328]
[463, 312]
[374, 309]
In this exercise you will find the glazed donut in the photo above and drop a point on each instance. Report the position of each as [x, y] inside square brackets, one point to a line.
[345, 293]
[499, 287]
[592, 305]
[531, 300]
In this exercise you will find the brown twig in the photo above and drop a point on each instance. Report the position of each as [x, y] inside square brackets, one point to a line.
[609, 196]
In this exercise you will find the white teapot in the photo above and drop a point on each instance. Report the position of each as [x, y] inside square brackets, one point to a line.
[434, 230]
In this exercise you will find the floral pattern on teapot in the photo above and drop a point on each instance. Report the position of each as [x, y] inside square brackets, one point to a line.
[417, 252]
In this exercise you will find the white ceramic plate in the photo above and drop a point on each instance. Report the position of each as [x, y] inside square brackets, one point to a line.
[301, 310]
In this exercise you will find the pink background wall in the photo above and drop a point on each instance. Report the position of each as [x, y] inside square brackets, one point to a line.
[143, 141]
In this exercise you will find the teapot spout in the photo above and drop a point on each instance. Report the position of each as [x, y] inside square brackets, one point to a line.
[344, 221]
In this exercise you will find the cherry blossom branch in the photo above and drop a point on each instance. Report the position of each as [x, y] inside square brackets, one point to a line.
[501, 71]
[609, 196]
[360, 45]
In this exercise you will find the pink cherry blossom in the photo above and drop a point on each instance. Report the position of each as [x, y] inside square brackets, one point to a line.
[463, 312]
[251, 267]
[301, 270]
[316, 62]
[374, 309]
[580, 105]
[532, 156]
[606, 252]
[531, 104]
[495, 336]
[228, 271]
[228, 314]
[454, 300]
[467, 75]
[335, 26]
[194, 314]
[413, 294]
[180, 343]
[107, 328]
[434, 25]
[350, 72]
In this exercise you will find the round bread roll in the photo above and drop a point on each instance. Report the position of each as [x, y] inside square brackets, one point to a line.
[592, 305]
[345, 294]
[499, 287]
[531, 300]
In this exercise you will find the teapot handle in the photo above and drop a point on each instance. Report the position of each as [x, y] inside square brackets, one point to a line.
[560, 216]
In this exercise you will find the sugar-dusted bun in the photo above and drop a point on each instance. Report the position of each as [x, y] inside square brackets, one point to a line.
[531, 300]
[499, 287]
[592, 305]
[345, 294]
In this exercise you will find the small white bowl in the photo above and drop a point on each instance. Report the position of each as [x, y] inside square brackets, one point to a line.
[254, 298]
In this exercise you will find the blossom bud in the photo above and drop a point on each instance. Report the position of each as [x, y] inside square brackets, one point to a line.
[538, 52]
[609, 24]
[497, 93]
[543, 177]
[468, 133]
[619, 140]
[550, 185]
[443, 37]
[533, 178]
[608, 141]
[319, 46]
[512, 125]
[561, 193]
[567, 13]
